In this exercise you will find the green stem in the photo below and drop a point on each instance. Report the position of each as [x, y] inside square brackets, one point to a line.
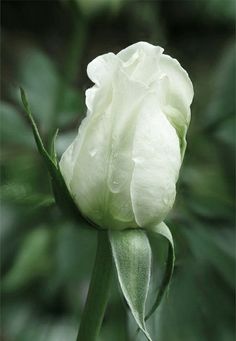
[98, 293]
[120, 322]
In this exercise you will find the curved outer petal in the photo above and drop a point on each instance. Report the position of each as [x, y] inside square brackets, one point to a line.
[141, 61]
[146, 63]
[156, 154]
[179, 96]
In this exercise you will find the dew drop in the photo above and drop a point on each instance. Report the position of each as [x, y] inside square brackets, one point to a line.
[115, 186]
[166, 201]
[93, 152]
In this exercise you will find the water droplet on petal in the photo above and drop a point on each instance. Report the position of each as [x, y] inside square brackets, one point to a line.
[166, 201]
[93, 152]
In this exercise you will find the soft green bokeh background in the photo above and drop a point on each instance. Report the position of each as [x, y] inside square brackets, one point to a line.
[46, 261]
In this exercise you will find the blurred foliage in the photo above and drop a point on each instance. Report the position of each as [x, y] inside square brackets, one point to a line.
[46, 261]
[94, 8]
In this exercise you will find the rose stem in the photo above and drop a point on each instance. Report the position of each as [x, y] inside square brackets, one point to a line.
[98, 293]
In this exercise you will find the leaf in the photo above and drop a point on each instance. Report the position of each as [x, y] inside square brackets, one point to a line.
[23, 194]
[163, 230]
[39, 77]
[53, 99]
[13, 129]
[50, 164]
[217, 250]
[60, 190]
[221, 105]
[33, 260]
[132, 256]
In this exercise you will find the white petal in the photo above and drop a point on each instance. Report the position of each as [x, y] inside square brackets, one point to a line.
[101, 71]
[128, 96]
[89, 174]
[156, 154]
[67, 165]
[179, 96]
[102, 156]
[141, 61]
[129, 51]
[180, 85]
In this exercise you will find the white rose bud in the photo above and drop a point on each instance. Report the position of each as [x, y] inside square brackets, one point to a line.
[123, 166]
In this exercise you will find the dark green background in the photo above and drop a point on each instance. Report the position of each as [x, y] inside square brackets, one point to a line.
[46, 260]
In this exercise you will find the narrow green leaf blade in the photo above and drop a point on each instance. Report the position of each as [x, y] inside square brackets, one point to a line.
[43, 152]
[163, 230]
[60, 190]
[132, 256]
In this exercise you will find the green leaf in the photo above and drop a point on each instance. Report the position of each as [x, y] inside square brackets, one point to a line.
[39, 77]
[60, 190]
[13, 129]
[33, 260]
[163, 230]
[22, 194]
[49, 162]
[132, 256]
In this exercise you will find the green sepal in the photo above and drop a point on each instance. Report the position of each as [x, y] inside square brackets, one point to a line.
[163, 230]
[60, 190]
[42, 151]
[53, 152]
[131, 253]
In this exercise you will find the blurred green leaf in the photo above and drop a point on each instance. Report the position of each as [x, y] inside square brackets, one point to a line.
[92, 8]
[216, 248]
[38, 76]
[227, 132]
[34, 260]
[23, 194]
[207, 193]
[219, 9]
[13, 128]
[199, 295]
[221, 105]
